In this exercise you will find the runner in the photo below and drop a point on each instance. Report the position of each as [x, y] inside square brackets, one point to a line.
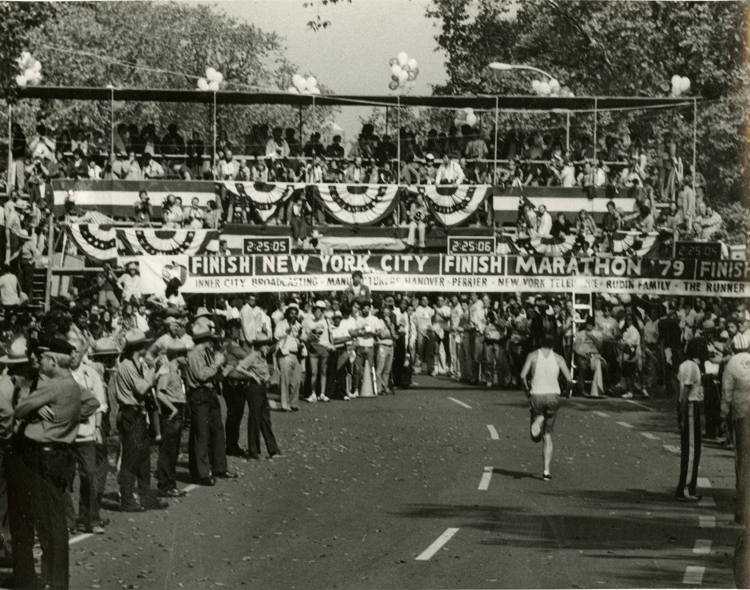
[543, 393]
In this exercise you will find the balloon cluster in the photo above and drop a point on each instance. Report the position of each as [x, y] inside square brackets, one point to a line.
[551, 88]
[32, 70]
[302, 85]
[680, 85]
[466, 117]
[404, 71]
[212, 81]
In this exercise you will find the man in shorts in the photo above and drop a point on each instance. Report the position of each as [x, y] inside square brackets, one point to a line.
[544, 365]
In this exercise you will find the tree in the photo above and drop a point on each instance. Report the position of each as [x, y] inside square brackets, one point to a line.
[602, 48]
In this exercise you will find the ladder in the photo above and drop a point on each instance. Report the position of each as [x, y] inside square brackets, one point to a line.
[583, 307]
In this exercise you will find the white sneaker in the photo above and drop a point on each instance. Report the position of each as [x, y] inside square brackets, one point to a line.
[346, 398]
[324, 398]
[627, 395]
[353, 394]
[312, 399]
[489, 383]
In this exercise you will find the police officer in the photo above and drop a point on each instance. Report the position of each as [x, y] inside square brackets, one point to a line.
[49, 418]
[206, 448]
[133, 380]
[235, 387]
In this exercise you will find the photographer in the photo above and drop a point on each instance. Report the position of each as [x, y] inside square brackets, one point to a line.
[143, 210]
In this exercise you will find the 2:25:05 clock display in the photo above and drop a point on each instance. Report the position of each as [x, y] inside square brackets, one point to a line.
[281, 245]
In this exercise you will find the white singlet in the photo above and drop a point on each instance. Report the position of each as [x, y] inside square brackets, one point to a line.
[546, 372]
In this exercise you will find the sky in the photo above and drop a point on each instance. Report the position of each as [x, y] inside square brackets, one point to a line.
[351, 55]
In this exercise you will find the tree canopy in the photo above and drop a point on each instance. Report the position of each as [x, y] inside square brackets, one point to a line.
[609, 49]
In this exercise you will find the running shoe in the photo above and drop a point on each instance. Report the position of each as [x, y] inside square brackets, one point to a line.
[546, 476]
[312, 399]
[627, 395]
[324, 398]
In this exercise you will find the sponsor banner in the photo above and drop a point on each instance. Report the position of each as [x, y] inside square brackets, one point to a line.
[450, 273]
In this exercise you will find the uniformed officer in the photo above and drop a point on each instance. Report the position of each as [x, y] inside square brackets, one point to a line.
[133, 380]
[49, 419]
[206, 448]
[235, 387]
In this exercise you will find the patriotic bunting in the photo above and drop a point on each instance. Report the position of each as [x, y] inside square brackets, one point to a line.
[635, 243]
[258, 197]
[452, 205]
[104, 243]
[552, 245]
[358, 204]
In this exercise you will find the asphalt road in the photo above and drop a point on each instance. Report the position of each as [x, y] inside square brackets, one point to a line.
[368, 489]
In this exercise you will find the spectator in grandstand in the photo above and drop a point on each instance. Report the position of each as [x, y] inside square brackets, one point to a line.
[227, 167]
[335, 150]
[544, 222]
[449, 171]
[418, 215]
[40, 187]
[193, 215]
[561, 227]
[710, 221]
[277, 147]
[41, 145]
[356, 173]
[173, 144]
[687, 199]
[131, 169]
[11, 295]
[212, 219]
[152, 168]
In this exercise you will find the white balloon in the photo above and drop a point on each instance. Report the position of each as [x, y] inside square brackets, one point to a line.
[535, 85]
[396, 70]
[210, 74]
[315, 90]
[676, 80]
[402, 58]
[218, 77]
[38, 68]
[685, 84]
[292, 90]
[412, 63]
[403, 76]
[471, 119]
[544, 88]
[21, 80]
[311, 82]
[202, 84]
[676, 91]
[213, 85]
[554, 86]
[25, 57]
[298, 81]
[469, 111]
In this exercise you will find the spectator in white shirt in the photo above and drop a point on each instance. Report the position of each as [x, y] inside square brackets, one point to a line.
[130, 283]
[151, 168]
[227, 168]
[277, 147]
[450, 171]
[545, 222]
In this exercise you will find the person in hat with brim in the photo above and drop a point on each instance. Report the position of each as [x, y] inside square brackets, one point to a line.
[255, 367]
[235, 386]
[170, 394]
[207, 444]
[202, 317]
[49, 419]
[132, 383]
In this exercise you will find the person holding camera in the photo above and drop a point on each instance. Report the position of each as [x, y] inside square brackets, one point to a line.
[289, 352]
[143, 211]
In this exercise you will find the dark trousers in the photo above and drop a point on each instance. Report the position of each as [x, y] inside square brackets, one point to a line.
[4, 517]
[88, 496]
[206, 446]
[135, 461]
[402, 369]
[26, 279]
[259, 420]
[235, 396]
[363, 355]
[41, 475]
[102, 469]
[169, 449]
[690, 447]
[712, 405]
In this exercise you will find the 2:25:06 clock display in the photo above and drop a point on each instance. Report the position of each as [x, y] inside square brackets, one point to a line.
[281, 245]
[459, 245]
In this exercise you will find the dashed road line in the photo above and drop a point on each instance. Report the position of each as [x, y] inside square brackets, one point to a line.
[493, 432]
[707, 522]
[78, 538]
[601, 414]
[630, 401]
[650, 436]
[693, 575]
[672, 449]
[437, 545]
[626, 424]
[484, 483]
[460, 403]
[704, 482]
[702, 546]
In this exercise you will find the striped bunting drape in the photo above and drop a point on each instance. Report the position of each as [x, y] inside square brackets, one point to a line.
[357, 204]
[453, 205]
[261, 198]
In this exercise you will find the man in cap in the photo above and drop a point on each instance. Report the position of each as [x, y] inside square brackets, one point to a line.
[170, 394]
[89, 437]
[207, 447]
[202, 318]
[254, 366]
[49, 419]
[133, 381]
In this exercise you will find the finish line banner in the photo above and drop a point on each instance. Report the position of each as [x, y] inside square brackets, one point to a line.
[445, 273]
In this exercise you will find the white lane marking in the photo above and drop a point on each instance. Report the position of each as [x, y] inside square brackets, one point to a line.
[630, 401]
[460, 403]
[702, 546]
[650, 436]
[626, 425]
[80, 538]
[484, 483]
[694, 575]
[707, 502]
[703, 482]
[493, 432]
[437, 545]
[707, 522]
[672, 449]
[189, 488]
[602, 414]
